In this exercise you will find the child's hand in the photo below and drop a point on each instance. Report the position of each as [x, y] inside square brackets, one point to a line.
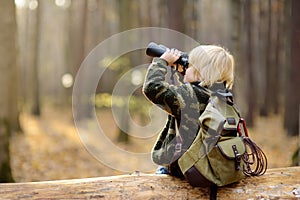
[171, 56]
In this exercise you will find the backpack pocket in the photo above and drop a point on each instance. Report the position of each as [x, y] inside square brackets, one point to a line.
[226, 160]
[221, 166]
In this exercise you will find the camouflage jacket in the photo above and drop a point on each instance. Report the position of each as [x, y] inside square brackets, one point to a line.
[183, 102]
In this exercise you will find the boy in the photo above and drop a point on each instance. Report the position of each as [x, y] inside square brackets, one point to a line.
[211, 67]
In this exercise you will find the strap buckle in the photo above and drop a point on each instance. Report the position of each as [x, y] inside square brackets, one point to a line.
[237, 158]
[178, 147]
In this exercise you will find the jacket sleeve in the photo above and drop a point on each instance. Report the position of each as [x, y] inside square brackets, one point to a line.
[158, 90]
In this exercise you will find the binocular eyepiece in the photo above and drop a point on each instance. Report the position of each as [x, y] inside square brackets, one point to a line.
[156, 50]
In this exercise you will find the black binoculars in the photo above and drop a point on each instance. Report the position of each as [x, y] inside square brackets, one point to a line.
[156, 50]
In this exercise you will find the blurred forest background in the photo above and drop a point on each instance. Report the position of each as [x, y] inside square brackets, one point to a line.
[43, 44]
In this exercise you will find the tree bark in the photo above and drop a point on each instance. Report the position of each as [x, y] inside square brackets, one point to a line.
[292, 101]
[249, 69]
[280, 183]
[277, 48]
[269, 95]
[78, 39]
[262, 56]
[125, 10]
[175, 18]
[35, 109]
[5, 167]
[8, 85]
[236, 48]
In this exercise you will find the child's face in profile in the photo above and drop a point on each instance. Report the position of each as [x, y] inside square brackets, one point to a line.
[190, 75]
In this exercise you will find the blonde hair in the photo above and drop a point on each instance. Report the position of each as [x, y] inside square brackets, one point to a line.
[212, 64]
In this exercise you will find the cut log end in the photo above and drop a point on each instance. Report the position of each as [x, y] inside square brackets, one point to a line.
[281, 183]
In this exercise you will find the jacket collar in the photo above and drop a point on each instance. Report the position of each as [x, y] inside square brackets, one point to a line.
[218, 86]
[215, 87]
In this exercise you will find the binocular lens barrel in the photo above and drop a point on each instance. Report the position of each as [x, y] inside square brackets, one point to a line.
[155, 50]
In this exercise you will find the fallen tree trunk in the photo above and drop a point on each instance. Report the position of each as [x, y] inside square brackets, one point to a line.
[281, 183]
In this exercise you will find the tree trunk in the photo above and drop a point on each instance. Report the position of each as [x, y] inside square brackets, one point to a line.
[235, 47]
[8, 85]
[275, 184]
[175, 17]
[262, 55]
[292, 102]
[277, 49]
[35, 109]
[81, 99]
[249, 69]
[124, 11]
[5, 168]
[268, 78]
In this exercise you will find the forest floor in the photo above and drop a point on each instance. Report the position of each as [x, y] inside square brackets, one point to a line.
[50, 148]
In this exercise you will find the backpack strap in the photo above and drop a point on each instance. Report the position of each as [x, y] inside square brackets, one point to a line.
[174, 168]
[223, 94]
[213, 192]
[179, 144]
[179, 140]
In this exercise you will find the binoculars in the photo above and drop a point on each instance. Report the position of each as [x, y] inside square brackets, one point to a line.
[156, 50]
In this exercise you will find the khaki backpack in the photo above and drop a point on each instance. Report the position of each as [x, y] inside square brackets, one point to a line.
[222, 152]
